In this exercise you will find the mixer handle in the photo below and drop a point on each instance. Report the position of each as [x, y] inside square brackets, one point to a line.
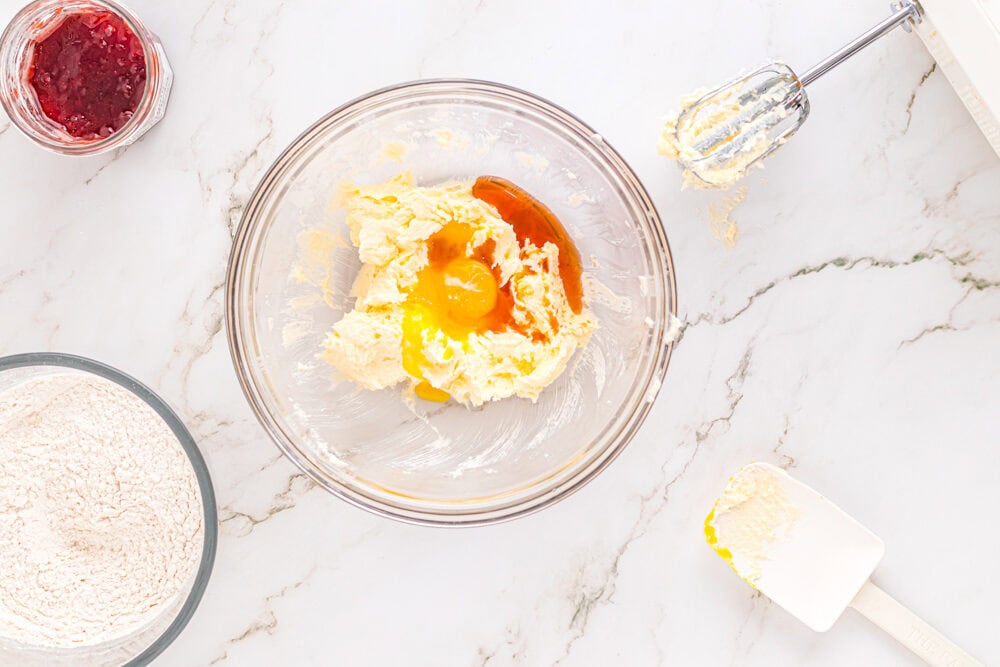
[904, 12]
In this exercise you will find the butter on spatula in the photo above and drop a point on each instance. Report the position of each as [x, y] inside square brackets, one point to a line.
[812, 559]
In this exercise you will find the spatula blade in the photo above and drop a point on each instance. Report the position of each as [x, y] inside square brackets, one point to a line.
[801, 550]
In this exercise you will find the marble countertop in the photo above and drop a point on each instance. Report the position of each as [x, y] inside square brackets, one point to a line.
[846, 335]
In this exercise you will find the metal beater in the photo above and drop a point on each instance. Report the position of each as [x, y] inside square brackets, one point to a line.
[733, 127]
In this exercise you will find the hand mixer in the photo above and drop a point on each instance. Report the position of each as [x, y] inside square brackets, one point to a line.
[728, 130]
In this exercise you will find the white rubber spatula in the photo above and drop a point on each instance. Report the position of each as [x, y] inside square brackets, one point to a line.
[812, 559]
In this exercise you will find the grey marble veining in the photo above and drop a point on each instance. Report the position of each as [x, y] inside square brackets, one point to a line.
[849, 334]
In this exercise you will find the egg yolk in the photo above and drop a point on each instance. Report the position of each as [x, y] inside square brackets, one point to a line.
[470, 289]
[458, 293]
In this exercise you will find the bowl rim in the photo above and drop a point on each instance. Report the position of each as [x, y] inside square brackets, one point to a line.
[429, 516]
[210, 510]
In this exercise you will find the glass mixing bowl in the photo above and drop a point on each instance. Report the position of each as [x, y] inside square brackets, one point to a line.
[144, 644]
[292, 268]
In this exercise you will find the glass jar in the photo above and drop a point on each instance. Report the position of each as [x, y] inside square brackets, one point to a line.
[19, 99]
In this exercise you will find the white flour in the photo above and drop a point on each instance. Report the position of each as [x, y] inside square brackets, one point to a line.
[100, 513]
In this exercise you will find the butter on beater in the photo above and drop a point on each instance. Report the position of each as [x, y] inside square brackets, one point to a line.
[727, 121]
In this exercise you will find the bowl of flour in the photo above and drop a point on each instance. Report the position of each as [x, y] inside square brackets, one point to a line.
[108, 523]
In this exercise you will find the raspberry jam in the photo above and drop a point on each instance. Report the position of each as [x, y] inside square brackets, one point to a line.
[89, 74]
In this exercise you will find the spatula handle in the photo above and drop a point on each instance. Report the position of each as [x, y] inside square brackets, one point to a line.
[909, 629]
